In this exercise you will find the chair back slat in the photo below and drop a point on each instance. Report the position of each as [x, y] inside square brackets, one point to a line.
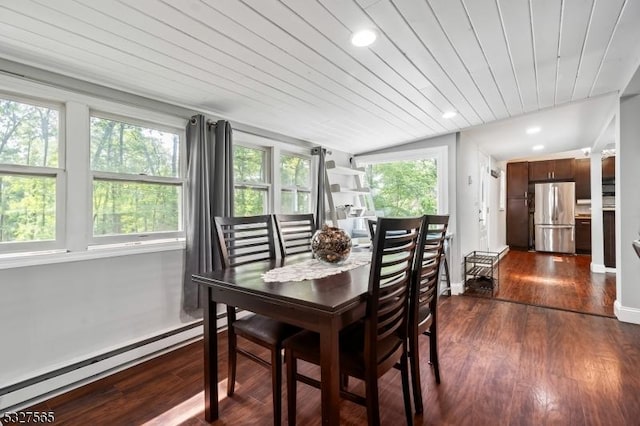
[394, 245]
[424, 291]
[244, 240]
[295, 232]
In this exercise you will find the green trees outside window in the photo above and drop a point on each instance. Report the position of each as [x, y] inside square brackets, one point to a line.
[28, 158]
[404, 188]
[295, 178]
[136, 187]
[251, 191]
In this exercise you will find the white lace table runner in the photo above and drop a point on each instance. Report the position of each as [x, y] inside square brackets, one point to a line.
[313, 269]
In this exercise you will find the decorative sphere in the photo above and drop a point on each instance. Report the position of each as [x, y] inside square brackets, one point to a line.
[331, 245]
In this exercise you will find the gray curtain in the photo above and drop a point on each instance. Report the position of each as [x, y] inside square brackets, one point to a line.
[209, 194]
[320, 196]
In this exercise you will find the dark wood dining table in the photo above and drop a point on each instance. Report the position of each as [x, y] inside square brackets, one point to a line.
[324, 305]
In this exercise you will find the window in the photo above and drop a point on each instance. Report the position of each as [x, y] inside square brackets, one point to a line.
[251, 186]
[31, 176]
[137, 184]
[404, 188]
[295, 179]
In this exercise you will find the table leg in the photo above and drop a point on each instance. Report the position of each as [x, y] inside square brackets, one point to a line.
[210, 356]
[330, 373]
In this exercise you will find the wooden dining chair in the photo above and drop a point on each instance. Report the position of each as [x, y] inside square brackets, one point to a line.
[295, 232]
[423, 319]
[373, 346]
[243, 240]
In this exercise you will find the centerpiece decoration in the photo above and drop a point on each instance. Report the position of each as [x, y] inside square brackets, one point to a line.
[331, 245]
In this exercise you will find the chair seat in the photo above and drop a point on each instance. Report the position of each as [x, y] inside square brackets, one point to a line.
[264, 329]
[306, 345]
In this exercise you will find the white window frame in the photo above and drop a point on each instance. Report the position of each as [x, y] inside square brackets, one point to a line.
[274, 149]
[179, 181]
[58, 173]
[295, 189]
[439, 153]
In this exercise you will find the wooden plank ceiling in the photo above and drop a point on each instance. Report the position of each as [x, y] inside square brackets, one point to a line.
[288, 66]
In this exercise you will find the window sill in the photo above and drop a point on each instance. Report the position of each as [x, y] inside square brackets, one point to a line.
[95, 252]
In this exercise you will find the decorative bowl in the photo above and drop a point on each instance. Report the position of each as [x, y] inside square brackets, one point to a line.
[331, 245]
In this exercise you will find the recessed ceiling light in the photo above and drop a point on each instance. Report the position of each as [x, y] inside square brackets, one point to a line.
[363, 38]
[449, 114]
[537, 147]
[533, 130]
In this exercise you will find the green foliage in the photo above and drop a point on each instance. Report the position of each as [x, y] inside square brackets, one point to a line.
[404, 188]
[124, 148]
[28, 137]
[27, 208]
[121, 207]
[28, 134]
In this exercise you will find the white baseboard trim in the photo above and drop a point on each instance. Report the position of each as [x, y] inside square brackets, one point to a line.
[457, 288]
[626, 314]
[610, 270]
[598, 268]
[57, 385]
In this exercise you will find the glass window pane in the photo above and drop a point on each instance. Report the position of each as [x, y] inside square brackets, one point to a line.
[404, 188]
[27, 208]
[295, 171]
[294, 202]
[249, 165]
[287, 202]
[126, 148]
[304, 202]
[131, 207]
[28, 134]
[250, 201]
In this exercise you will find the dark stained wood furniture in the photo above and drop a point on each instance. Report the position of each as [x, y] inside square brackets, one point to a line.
[609, 237]
[551, 170]
[372, 347]
[609, 168]
[295, 232]
[244, 240]
[423, 313]
[583, 178]
[518, 205]
[325, 306]
[583, 235]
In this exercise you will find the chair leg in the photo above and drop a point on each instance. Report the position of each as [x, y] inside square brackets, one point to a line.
[414, 355]
[292, 369]
[406, 393]
[433, 351]
[232, 359]
[344, 381]
[373, 409]
[276, 384]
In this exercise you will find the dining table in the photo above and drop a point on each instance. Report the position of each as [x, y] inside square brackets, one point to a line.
[324, 305]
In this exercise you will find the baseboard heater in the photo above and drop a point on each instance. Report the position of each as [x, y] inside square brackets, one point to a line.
[33, 390]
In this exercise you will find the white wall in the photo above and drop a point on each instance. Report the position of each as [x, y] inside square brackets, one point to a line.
[627, 304]
[56, 314]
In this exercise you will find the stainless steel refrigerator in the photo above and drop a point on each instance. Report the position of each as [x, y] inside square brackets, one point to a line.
[554, 217]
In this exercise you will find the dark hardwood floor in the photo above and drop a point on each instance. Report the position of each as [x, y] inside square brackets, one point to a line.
[501, 363]
[556, 281]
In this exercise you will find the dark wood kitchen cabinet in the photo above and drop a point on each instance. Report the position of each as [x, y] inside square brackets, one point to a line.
[609, 228]
[517, 179]
[518, 223]
[582, 173]
[551, 170]
[583, 236]
[609, 168]
[518, 205]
